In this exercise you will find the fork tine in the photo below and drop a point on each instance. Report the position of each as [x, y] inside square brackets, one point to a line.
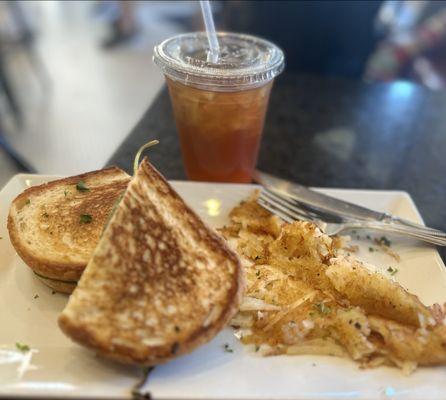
[275, 211]
[290, 207]
[309, 211]
[283, 209]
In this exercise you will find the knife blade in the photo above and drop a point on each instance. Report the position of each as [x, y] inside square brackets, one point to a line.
[320, 202]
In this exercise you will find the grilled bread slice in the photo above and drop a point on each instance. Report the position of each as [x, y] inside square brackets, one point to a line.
[55, 227]
[159, 283]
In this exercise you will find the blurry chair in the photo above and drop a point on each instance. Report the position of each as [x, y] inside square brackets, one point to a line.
[21, 163]
[22, 39]
[6, 88]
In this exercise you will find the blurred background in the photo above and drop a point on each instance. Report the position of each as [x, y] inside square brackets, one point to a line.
[75, 76]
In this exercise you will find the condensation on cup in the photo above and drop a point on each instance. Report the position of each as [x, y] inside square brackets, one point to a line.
[219, 107]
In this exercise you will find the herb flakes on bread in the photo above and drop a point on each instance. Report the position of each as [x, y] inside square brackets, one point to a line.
[54, 227]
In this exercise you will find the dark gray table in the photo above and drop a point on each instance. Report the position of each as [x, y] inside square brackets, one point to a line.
[333, 133]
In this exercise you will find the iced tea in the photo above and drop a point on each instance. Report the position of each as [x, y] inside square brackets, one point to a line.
[220, 132]
[219, 104]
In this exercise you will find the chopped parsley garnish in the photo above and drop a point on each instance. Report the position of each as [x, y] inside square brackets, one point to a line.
[85, 218]
[82, 187]
[371, 249]
[28, 202]
[22, 347]
[369, 237]
[36, 296]
[322, 308]
[45, 214]
[227, 348]
[258, 274]
[257, 348]
[384, 241]
[392, 271]
[65, 193]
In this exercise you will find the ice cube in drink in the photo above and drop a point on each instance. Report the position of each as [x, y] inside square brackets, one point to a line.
[219, 132]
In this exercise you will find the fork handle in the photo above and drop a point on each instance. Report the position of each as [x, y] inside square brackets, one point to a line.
[399, 229]
[390, 219]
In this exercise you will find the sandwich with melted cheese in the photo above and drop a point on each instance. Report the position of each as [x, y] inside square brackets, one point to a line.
[55, 227]
[159, 283]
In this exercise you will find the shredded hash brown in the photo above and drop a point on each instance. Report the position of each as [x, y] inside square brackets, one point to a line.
[305, 296]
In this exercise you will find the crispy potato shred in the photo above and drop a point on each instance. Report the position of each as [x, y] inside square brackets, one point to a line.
[304, 295]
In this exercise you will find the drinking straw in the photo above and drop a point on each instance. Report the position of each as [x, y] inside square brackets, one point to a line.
[214, 48]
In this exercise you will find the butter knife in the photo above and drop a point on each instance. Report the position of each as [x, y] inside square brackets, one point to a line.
[319, 202]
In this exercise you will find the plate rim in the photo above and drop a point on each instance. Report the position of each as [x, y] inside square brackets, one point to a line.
[21, 177]
[343, 189]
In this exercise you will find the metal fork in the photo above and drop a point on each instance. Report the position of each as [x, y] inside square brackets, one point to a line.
[291, 211]
[319, 214]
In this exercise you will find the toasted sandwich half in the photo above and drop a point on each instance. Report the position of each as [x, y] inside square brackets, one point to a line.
[159, 283]
[55, 227]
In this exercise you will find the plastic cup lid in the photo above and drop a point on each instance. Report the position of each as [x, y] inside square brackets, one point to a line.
[244, 61]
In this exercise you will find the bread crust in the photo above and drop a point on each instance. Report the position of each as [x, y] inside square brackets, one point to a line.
[58, 286]
[69, 271]
[87, 335]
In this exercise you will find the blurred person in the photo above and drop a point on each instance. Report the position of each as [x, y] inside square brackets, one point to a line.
[415, 51]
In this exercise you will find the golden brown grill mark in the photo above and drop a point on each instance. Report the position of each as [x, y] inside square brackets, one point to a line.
[98, 203]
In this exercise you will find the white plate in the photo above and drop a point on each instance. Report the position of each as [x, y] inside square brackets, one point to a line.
[58, 368]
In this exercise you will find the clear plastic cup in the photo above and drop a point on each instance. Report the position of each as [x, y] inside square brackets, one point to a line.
[219, 107]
